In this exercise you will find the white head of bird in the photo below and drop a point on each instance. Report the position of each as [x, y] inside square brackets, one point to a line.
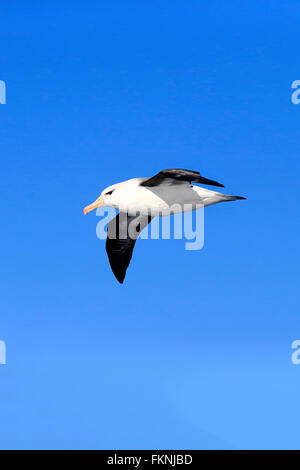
[108, 197]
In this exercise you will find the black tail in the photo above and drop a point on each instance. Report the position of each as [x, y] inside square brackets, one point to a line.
[233, 198]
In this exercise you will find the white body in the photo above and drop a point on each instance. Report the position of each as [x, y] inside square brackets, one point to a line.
[132, 198]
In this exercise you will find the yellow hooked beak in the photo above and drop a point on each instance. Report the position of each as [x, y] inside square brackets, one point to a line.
[98, 203]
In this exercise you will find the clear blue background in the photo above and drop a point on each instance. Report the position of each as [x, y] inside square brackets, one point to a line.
[194, 350]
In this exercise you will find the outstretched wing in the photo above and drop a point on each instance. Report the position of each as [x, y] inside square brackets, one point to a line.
[122, 233]
[178, 176]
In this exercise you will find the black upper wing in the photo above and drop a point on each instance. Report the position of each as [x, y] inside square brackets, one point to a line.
[122, 233]
[178, 176]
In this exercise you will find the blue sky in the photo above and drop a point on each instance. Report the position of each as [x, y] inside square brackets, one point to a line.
[194, 350]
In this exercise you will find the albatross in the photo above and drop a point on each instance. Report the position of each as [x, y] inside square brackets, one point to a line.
[138, 200]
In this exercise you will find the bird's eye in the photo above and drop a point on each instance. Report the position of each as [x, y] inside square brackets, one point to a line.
[109, 192]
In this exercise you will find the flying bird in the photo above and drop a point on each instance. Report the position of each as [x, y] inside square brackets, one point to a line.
[140, 199]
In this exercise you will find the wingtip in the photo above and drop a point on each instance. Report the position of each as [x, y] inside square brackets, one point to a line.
[120, 279]
[203, 180]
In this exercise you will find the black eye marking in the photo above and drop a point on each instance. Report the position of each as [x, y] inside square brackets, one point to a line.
[109, 192]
